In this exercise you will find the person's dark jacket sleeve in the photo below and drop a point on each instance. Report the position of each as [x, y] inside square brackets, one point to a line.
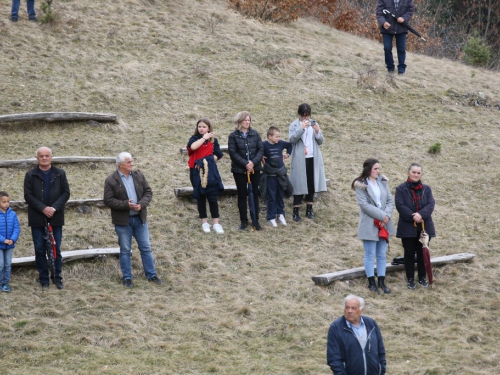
[405, 10]
[404, 205]
[334, 353]
[33, 195]
[217, 150]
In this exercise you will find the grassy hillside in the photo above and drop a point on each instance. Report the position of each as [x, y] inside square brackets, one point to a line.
[243, 303]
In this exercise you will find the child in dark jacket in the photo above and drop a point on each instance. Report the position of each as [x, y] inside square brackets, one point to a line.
[274, 173]
[204, 151]
[9, 233]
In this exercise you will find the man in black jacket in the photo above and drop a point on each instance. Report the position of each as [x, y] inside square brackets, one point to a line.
[390, 27]
[46, 190]
[355, 345]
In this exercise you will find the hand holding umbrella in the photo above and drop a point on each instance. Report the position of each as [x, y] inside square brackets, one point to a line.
[405, 24]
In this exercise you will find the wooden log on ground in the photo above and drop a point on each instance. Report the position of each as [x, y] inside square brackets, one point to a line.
[228, 190]
[22, 205]
[69, 256]
[58, 160]
[353, 273]
[58, 116]
[184, 150]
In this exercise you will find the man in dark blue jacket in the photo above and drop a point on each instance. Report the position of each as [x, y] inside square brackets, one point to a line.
[46, 190]
[390, 27]
[355, 345]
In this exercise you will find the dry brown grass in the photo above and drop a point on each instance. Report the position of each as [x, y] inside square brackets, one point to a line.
[243, 303]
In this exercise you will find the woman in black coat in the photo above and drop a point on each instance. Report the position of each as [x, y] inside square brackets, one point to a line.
[415, 204]
[246, 151]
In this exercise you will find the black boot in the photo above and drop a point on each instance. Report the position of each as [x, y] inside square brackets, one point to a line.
[381, 285]
[296, 215]
[243, 225]
[372, 286]
[309, 212]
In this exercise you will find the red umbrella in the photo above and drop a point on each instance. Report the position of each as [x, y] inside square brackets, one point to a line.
[50, 244]
[382, 232]
[424, 239]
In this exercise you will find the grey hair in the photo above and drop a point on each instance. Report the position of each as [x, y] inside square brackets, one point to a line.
[415, 165]
[122, 156]
[352, 296]
[36, 154]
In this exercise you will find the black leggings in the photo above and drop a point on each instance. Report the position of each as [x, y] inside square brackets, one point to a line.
[241, 185]
[412, 246]
[297, 199]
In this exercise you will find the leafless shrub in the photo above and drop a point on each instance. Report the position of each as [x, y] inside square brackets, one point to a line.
[367, 79]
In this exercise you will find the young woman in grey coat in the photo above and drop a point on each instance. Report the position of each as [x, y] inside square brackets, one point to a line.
[375, 203]
[307, 173]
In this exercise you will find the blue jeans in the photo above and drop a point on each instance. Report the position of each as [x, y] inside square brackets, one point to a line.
[372, 249]
[275, 204]
[37, 233]
[5, 266]
[15, 9]
[401, 49]
[140, 232]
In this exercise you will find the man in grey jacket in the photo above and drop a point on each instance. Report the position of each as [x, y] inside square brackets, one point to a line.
[390, 27]
[128, 194]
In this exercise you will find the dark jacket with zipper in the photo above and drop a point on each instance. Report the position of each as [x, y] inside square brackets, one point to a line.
[34, 195]
[405, 10]
[116, 198]
[344, 353]
[406, 208]
[9, 229]
[237, 146]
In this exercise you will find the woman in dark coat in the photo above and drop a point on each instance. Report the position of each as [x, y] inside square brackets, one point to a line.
[246, 151]
[415, 204]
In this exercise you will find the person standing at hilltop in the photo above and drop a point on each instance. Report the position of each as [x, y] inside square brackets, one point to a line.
[391, 28]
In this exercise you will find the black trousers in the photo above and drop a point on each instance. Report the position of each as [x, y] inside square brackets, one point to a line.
[241, 185]
[297, 199]
[412, 246]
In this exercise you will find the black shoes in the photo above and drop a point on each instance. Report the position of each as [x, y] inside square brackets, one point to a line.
[381, 285]
[309, 212]
[423, 282]
[59, 285]
[156, 280]
[44, 286]
[372, 286]
[411, 284]
[243, 225]
[296, 216]
[128, 283]
[258, 227]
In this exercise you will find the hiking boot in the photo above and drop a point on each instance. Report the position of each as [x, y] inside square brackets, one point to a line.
[156, 280]
[218, 229]
[423, 282]
[309, 212]
[372, 286]
[272, 222]
[243, 225]
[296, 216]
[128, 283]
[281, 219]
[205, 227]
[411, 284]
[381, 285]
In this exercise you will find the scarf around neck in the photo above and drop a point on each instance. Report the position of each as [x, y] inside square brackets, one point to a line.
[417, 192]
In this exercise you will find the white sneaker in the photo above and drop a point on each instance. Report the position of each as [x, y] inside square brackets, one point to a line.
[273, 222]
[218, 229]
[282, 220]
[206, 227]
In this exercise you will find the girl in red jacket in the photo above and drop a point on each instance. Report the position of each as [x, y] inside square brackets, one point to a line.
[203, 149]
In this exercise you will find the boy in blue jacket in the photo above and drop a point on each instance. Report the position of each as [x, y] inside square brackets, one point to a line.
[9, 233]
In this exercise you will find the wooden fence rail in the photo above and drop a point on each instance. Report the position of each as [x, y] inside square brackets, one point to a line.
[58, 116]
[58, 160]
